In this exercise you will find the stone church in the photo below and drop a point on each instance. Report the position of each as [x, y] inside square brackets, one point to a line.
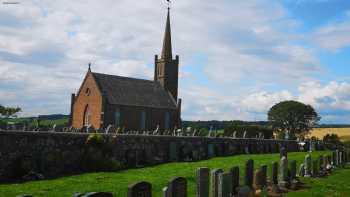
[130, 103]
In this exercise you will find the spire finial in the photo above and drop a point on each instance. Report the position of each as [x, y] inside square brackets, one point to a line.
[89, 67]
[167, 49]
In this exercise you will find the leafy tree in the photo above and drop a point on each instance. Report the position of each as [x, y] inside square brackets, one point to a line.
[292, 118]
[8, 112]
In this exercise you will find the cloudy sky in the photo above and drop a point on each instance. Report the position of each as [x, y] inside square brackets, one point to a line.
[237, 58]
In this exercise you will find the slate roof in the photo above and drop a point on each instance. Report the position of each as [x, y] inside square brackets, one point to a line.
[136, 92]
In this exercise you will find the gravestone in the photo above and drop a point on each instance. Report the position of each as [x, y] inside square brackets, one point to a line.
[202, 181]
[283, 176]
[308, 165]
[315, 168]
[263, 169]
[293, 170]
[215, 181]
[173, 155]
[165, 192]
[302, 170]
[283, 152]
[258, 180]
[274, 173]
[337, 157]
[225, 185]
[249, 173]
[322, 163]
[235, 178]
[177, 187]
[143, 189]
[340, 158]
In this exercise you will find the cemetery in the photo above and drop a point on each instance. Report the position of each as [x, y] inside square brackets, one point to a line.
[241, 175]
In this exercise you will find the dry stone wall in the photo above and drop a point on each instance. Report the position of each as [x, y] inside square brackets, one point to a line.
[55, 154]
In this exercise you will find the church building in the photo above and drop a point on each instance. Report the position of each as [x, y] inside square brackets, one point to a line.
[130, 103]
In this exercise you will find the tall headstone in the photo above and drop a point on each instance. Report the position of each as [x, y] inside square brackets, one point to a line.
[283, 176]
[225, 185]
[177, 187]
[293, 170]
[274, 173]
[249, 173]
[263, 169]
[315, 168]
[258, 180]
[202, 182]
[235, 179]
[308, 165]
[215, 181]
[302, 170]
[337, 157]
[140, 189]
[334, 158]
[283, 152]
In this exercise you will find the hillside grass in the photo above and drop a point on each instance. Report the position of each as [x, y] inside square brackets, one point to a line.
[117, 182]
[343, 133]
[336, 185]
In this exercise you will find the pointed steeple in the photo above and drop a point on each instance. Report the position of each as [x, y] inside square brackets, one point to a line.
[167, 50]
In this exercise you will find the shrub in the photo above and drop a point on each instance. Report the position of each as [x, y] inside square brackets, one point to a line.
[95, 139]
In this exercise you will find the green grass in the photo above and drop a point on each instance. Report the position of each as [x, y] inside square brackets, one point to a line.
[336, 185]
[118, 182]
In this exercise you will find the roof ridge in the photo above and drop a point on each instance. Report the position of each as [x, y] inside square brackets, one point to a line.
[123, 77]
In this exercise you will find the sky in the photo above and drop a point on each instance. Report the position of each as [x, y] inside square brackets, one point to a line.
[237, 58]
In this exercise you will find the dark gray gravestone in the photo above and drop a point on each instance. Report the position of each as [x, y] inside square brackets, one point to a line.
[211, 150]
[302, 170]
[274, 173]
[173, 155]
[263, 169]
[249, 173]
[177, 187]
[334, 158]
[337, 157]
[225, 185]
[293, 169]
[215, 181]
[202, 181]
[140, 189]
[315, 168]
[235, 179]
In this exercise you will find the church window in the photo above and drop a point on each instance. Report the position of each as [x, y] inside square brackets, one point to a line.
[87, 116]
[117, 118]
[143, 120]
[87, 91]
[167, 120]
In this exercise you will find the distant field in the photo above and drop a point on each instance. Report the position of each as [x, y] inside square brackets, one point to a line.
[343, 133]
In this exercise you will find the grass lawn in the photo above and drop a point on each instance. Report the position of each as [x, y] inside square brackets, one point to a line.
[338, 184]
[118, 182]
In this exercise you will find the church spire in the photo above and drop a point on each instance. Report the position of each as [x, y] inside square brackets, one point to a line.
[167, 50]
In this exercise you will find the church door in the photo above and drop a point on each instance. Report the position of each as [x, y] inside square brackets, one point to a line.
[87, 116]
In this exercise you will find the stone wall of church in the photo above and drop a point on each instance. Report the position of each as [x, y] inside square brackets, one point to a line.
[55, 154]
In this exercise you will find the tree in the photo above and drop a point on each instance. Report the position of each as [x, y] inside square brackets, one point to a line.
[292, 118]
[8, 112]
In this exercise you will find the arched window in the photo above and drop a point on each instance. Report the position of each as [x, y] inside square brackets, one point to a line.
[167, 120]
[117, 117]
[143, 120]
[87, 116]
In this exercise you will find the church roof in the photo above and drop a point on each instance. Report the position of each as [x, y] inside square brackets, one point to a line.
[135, 92]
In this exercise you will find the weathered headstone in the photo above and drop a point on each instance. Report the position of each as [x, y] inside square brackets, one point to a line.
[274, 173]
[283, 152]
[334, 158]
[263, 169]
[283, 176]
[215, 181]
[302, 170]
[178, 187]
[249, 173]
[258, 180]
[308, 165]
[143, 189]
[293, 170]
[315, 168]
[337, 157]
[235, 178]
[225, 185]
[165, 192]
[202, 181]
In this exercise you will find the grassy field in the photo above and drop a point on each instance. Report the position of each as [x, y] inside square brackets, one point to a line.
[336, 185]
[343, 133]
[118, 182]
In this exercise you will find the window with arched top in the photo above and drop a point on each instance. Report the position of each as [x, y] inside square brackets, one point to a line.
[167, 120]
[117, 117]
[87, 116]
[143, 120]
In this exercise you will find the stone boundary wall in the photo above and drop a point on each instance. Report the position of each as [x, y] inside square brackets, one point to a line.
[55, 154]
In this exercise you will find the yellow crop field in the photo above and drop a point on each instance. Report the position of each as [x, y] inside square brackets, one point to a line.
[343, 133]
